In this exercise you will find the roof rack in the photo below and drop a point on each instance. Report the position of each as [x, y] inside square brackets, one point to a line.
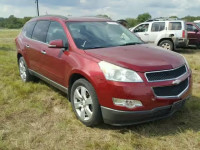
[100, 17]
[57, 16]
[163, 19]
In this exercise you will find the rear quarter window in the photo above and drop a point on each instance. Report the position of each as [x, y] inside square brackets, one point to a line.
[175, 26]
[28, 29]
[40, 31]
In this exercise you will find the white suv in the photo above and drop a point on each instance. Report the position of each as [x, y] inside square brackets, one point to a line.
[168, 34]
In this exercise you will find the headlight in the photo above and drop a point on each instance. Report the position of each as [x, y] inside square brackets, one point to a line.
[116, 73]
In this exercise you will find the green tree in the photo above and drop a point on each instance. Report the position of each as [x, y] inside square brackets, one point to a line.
[131, 22]
[143, 17]
[191, 18]
[173, 17]
[13, 22]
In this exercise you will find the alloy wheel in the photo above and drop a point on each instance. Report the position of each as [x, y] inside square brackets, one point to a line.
[83, 103]
[22, 70]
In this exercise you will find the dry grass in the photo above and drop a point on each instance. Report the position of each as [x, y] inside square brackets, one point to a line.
[37, 116]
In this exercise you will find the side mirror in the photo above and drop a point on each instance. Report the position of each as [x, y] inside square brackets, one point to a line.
[195, 30]
[56, 44]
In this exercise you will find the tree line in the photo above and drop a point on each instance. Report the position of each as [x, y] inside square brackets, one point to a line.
[146, 16]
[13, 22]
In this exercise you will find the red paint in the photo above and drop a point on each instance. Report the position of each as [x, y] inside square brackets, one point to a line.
[60, 66]
[194, 37]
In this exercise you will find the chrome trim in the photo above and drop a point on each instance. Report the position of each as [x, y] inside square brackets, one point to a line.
[166, 71]
[51, 82]
[140, 111]
[172, 97]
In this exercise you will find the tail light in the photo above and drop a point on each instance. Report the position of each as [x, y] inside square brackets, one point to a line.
[183, 34]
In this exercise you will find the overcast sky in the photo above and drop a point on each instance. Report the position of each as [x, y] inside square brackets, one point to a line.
[116, 9]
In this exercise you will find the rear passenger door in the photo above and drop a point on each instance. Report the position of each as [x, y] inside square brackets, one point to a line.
[37, 44]
[54, 63]
[157, 29]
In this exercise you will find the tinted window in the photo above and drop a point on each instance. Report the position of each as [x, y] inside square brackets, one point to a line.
[190, 27]
[142, 28]
[158, 26]
[28, 29]
[56, 32]
[40, 31]
[92, 35]
[175, 26]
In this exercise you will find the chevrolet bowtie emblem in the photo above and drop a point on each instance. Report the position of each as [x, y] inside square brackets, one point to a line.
[175, 82]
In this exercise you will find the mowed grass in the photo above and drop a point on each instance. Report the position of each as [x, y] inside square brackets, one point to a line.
[37, 116]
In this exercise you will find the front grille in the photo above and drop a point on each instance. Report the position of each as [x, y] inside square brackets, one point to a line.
[166, 74]
[171, 91]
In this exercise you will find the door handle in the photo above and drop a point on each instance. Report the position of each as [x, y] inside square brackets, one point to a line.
[146, 34]
[43, 52]
[27, 46]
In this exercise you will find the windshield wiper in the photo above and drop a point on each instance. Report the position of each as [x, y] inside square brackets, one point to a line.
[132, 43]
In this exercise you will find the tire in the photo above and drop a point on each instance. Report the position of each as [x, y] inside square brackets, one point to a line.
[166, 44]
[85, 103]
[23, 70]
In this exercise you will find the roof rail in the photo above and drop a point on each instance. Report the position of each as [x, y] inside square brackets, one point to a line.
[100, 17]
[163, 19]
[57, 16]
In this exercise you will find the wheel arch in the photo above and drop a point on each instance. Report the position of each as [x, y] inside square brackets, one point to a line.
[165, 39]
[74, 77]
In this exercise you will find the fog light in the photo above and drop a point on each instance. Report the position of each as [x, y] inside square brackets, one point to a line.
[127, 103]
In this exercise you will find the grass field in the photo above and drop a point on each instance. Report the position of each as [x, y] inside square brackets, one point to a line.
[37, 116]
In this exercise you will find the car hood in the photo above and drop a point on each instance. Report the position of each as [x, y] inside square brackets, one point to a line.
[141, 58]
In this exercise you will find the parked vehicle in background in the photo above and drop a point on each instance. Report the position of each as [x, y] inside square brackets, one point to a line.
[197, 21]
[108, 73]
[193, 33]
[166, 33]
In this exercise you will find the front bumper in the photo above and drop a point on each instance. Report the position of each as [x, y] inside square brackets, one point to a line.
[119, 118]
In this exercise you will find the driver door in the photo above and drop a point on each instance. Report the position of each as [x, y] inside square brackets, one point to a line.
[143, 31]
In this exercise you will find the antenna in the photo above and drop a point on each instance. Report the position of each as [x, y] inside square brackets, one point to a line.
[37, 5]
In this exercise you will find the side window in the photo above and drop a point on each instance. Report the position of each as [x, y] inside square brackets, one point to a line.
[191, 28]
[56, 32]
[40, 31]
[175, 26]
[28, 29]
[158, 26]
[142, 28]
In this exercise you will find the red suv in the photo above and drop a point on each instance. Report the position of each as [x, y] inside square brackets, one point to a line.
[109, 74]
[193, 30]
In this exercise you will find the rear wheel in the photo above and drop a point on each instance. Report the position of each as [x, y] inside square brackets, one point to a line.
[23, 70]
[166, 44]
[85, 103]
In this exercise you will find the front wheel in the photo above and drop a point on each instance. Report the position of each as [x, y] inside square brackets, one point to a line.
[85, 103]
[166, 44]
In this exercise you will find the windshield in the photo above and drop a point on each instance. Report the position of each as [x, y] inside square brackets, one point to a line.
[90, 35]
[198, 24]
